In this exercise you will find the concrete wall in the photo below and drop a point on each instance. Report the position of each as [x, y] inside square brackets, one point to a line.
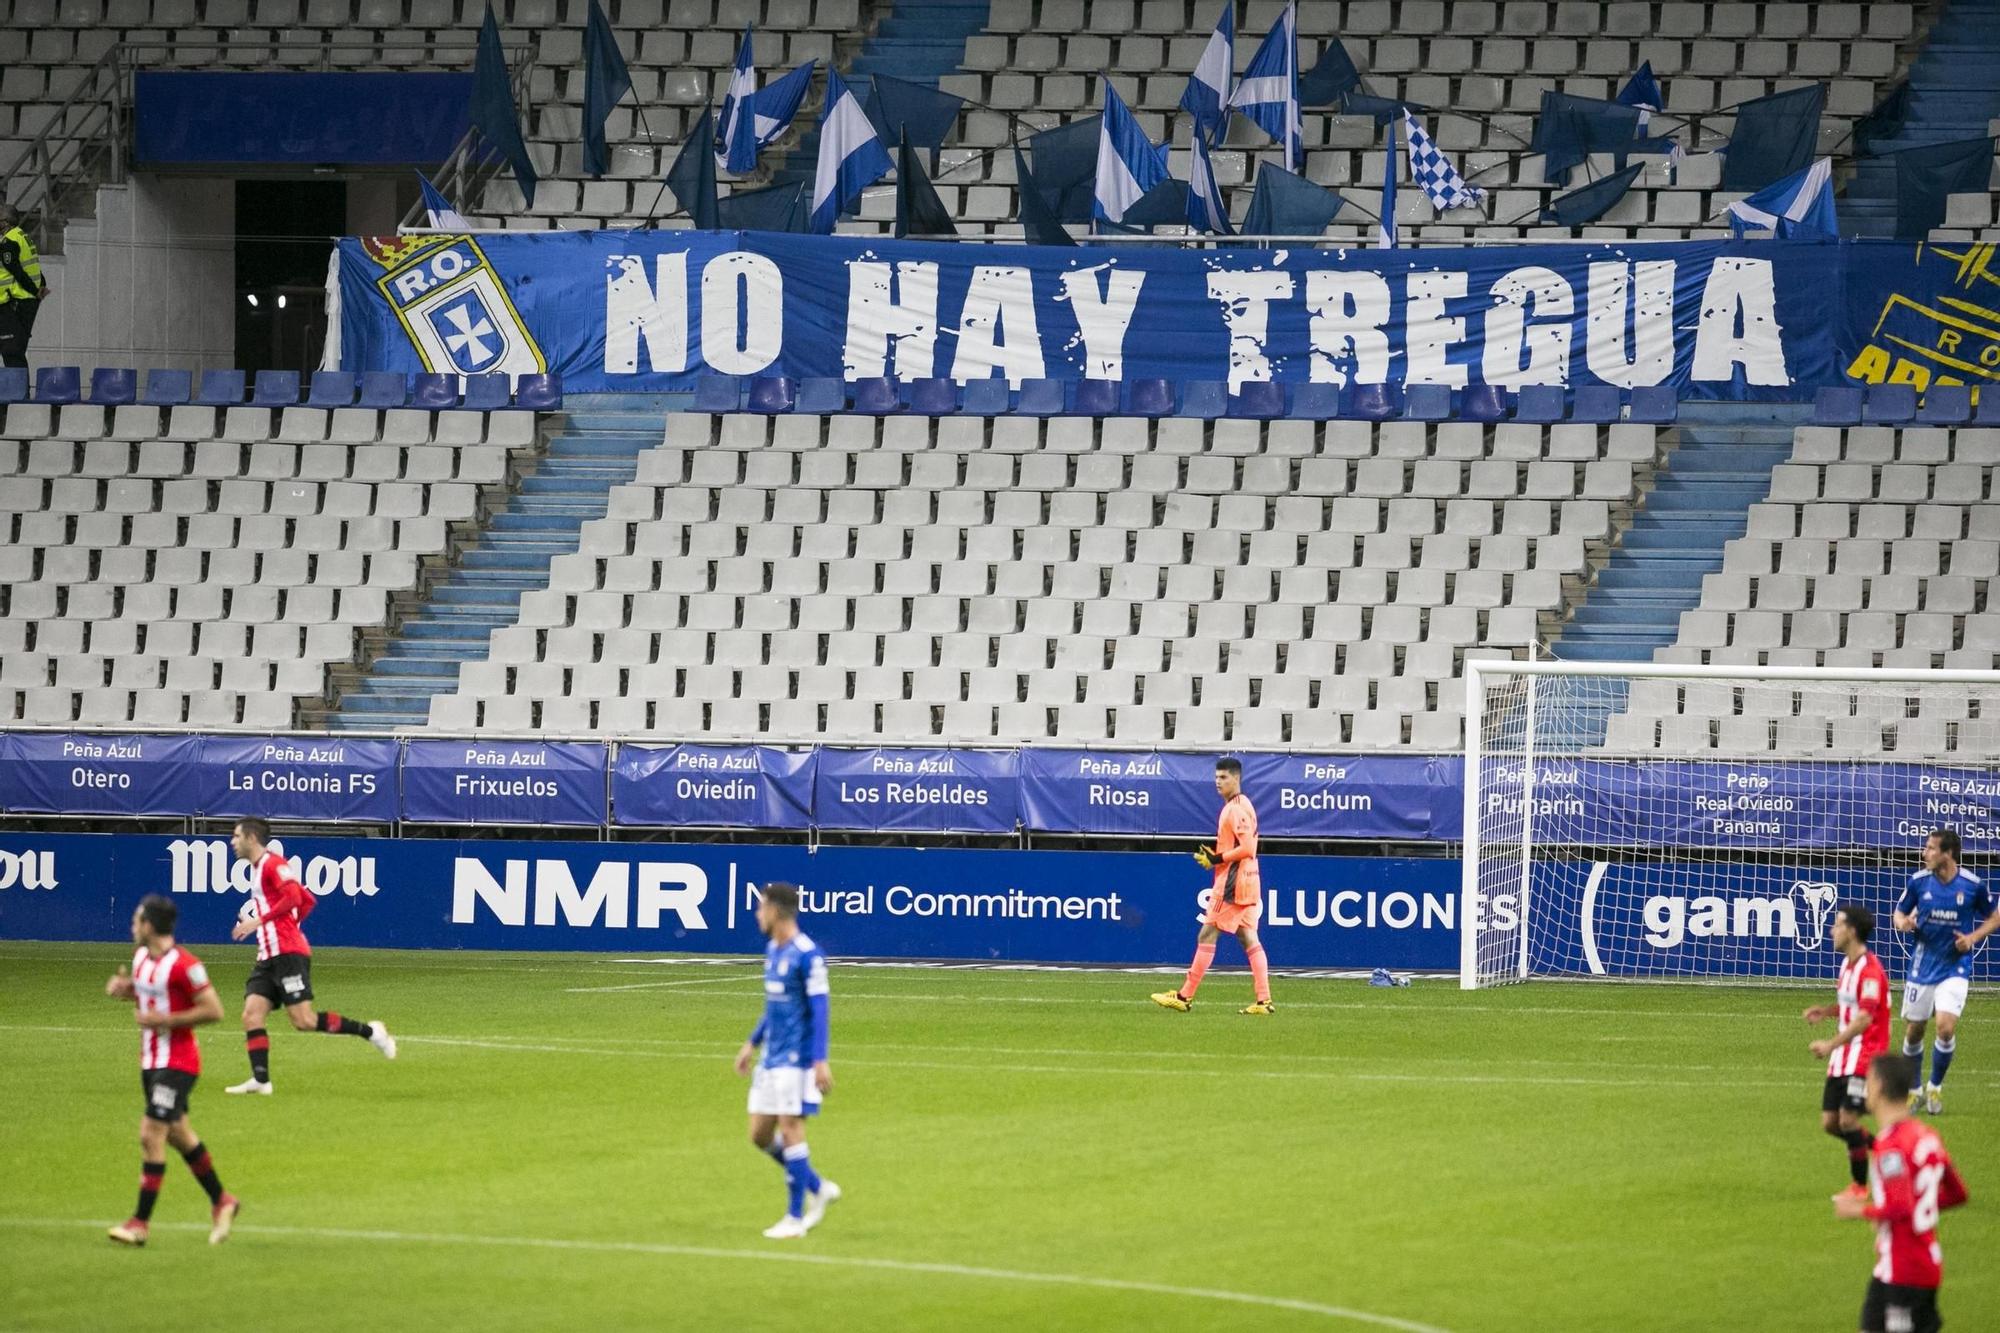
[150, 282]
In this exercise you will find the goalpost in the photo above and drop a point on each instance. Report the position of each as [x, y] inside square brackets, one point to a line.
[1700, 823]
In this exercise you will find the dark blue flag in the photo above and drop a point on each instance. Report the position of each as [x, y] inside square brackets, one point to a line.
[919, 211]
[1642, 90]
[1039, 222]
[1592, 201]
[1924, 176]
[1568, 129]
[605, 80]
[1165, 205]
[1331, 79]
[1884, 122]
[692, 176]
[493, 112]
[1287, 204]
[773, 208]
[1383, 109]
[1066, 167]
[899, 109]
[1775, 137]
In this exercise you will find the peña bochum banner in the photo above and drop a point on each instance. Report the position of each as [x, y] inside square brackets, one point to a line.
[651, 311]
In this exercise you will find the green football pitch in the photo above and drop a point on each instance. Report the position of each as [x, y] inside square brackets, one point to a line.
[561, 1145]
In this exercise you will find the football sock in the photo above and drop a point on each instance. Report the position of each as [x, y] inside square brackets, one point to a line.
[1915, 1055]
[258, 1043]
[204, 1171]
[800, 1178]
[344, 1027]
[775, 1150]
[1260, 974]
[151, 1174]
[1858, 1141]
[1941, 1052]
[1204, 954]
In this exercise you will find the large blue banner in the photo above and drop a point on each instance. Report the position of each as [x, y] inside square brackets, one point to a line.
[713, 786]
[1013, 906]
[651, 311]
[55, 774]
[296, 777]
[504, 782]
[378, 118]
[974, 791]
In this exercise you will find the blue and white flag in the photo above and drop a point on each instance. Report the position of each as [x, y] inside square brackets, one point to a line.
[1385, 225]
[1433, 172]
[1268, 92]
[1798, 207]
[736, 130]
[777, 102]
[1642, 91]
[1205, 209]
[1128, 164]
[443, 216]
[851, 158]
[1207, 95]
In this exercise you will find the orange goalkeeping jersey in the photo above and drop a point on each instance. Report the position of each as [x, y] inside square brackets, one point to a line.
[1237, 879]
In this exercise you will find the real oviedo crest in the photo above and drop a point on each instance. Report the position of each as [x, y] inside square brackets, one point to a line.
[455, 308]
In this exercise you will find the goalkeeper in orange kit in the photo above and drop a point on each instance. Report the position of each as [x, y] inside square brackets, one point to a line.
[1235, 899]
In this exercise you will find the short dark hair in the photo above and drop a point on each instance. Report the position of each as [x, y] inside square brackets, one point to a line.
[784, 897]
[1859, 920]
[1947, 840]
[1229, 764]
[1896, 1073]
[159, 913]
[256, 826]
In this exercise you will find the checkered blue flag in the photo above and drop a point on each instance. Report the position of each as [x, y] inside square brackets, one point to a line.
[1433, 172]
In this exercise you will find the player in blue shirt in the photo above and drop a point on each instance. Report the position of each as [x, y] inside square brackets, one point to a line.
[794, 1073]
[1951, 913]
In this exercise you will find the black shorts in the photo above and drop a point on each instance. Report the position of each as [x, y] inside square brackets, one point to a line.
[167, 1093]
[1890, 1309]
[284, 980]
[1845, 1093]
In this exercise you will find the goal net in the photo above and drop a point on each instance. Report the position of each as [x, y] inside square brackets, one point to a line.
[1702, 822]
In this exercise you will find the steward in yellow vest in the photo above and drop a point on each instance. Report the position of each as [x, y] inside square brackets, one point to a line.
[21, 288]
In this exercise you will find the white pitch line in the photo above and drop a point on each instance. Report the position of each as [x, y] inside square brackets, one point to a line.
[913, 1266]
[656, 985]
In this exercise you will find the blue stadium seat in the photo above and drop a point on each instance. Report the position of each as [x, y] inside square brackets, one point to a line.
[58, 384]
[1372, 402]
[1837, 405]
[1315, 402]
[1596, 403]
[773, 394]
[13, 384]
[821, 395]
[932, 397]
[876, 395]
[221, 388]
[114, 387]
[486, 393]
[1540, 404]
[1261, 399]
[1889, 404]
[1041, 398]
[1207, 399]
[1096, 398]
[1483, 402]
[985, 398]
[1150, 398]
[167, 388]
[1655, 405]
[331, 388]
[1987, 411]
[1946, 405]
[275, 388]
[387, 388]
[717, 393]
[436, 392]
[538, 393]
[1427, 402]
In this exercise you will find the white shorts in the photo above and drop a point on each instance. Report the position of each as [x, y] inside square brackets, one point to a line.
[1947, 996]
[783, 1091]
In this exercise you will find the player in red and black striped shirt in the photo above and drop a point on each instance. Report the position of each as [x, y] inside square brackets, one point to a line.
[171, 997]
[1863, 1015]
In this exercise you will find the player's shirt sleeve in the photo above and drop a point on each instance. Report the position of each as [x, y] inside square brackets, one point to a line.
[284, 892]
[817, 991]
[757, 1033]
[1872, 995]
[195, 975]
[1908, 902]
[1892, 1175]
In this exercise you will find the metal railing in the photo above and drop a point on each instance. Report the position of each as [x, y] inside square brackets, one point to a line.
[87, 142]
[472, 162]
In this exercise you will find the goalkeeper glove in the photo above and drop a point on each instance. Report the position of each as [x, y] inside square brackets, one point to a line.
[1204, 856]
